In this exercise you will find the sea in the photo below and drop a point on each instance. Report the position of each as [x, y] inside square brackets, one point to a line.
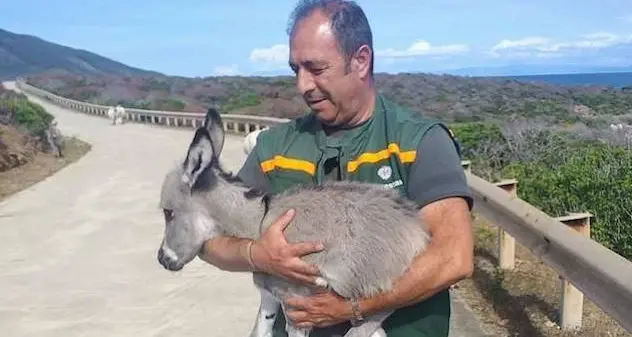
[616, 80]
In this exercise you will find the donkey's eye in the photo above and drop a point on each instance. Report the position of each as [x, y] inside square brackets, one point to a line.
[168, 214]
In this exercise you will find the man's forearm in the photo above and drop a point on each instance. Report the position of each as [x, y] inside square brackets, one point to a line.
[227, 253]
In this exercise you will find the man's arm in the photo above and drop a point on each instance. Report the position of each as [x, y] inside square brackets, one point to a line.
[271, 253]
[438, 183]
[227, 252]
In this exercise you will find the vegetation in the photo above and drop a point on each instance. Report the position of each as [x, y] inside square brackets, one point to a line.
[241, 100]
[590, 177]
[22, 129]
[559, 172]
[17, 109]
[453, 98]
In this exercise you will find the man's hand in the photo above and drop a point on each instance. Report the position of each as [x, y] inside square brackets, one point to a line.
[320, 310]
[272, 254]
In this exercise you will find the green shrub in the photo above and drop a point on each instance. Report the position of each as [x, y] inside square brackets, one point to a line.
[484, 145]
[558, 173]
[27, 114]
[241, 100]
[169, 105]
[588, 177]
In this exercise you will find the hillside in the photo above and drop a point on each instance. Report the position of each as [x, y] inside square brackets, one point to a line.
[22, 54]
[452, 98]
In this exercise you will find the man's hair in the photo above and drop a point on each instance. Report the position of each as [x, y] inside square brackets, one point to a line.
[348, 23]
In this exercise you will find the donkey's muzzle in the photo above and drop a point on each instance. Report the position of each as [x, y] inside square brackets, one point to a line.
[168, 262]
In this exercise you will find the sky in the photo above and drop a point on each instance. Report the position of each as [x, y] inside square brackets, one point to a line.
[239, 37]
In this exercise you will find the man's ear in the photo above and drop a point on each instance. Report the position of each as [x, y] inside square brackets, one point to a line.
[199, 157]
[361, 61]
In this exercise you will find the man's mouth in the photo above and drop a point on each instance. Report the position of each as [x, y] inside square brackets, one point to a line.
[315, 101]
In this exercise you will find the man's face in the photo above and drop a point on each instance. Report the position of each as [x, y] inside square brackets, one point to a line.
[320, 70]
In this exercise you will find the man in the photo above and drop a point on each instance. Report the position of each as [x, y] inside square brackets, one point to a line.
[355, 134]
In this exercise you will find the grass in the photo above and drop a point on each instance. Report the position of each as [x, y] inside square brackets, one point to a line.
[524, 301]
[40, 167]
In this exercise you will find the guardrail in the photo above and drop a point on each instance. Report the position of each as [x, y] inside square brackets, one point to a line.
[563, 243]
[239, 124]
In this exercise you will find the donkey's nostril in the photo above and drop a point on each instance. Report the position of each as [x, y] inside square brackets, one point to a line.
[169, 259]
[174, 266]
[163, 259]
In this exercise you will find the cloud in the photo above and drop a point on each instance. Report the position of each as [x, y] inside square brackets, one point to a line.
[529, 42]
[543, 47]
[421, 48]
[230, 70]
[278, 53]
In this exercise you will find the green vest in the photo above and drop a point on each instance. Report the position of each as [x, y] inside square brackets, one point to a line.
[380, 151]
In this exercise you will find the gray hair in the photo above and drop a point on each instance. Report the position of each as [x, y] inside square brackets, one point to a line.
[348, 23]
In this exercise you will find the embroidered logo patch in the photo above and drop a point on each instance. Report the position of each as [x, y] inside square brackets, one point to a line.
[385, 172]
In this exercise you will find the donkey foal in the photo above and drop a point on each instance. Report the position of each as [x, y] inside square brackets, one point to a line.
[371, 234]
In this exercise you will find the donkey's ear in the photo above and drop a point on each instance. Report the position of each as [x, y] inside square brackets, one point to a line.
[199, 157]
[215, 128]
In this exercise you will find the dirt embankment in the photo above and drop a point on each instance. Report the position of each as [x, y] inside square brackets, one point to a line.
[31, 147]
[40, 166]
[16, 147]
[25, 130]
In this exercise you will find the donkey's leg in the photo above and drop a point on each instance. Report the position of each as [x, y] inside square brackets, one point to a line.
[293, 331]
[372, 327]
[268, 309]
[297, 332]
[379, 333]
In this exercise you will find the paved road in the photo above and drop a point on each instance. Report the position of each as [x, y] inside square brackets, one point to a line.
[77, 251]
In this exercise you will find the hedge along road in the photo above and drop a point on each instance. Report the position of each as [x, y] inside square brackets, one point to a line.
[78, 252]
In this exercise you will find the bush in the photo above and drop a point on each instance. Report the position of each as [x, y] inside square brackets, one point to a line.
[484, 145]
[558, 173]
[27, 114]
[169, 105]
[588, 177]
[241, 100]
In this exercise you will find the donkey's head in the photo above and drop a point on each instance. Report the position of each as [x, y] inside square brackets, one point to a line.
[187, 222]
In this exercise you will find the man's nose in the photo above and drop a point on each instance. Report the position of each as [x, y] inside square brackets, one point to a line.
[305, 82]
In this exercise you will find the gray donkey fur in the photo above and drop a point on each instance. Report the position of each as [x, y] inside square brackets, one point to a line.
[371, 234]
